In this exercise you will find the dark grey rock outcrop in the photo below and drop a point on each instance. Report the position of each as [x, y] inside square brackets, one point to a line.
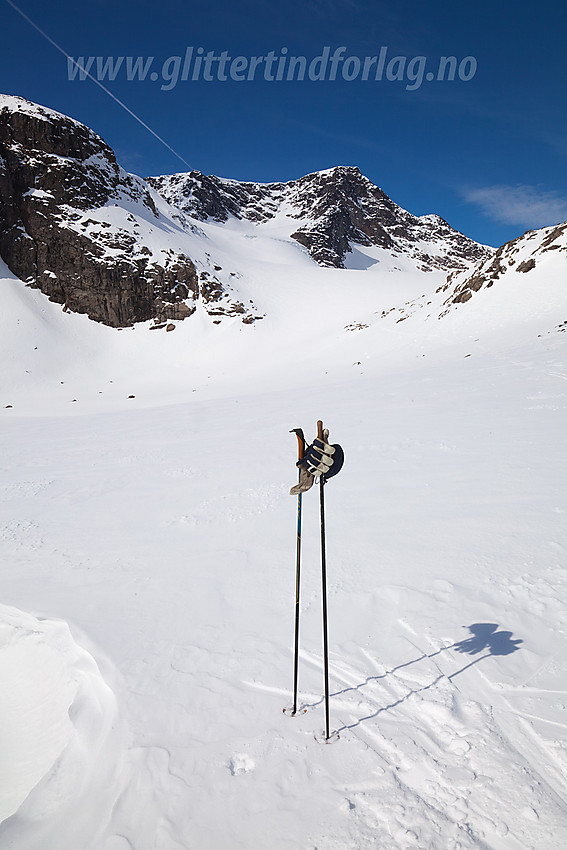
[519, 255]
[53, 170]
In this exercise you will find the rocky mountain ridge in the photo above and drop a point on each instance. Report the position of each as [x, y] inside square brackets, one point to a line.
[335, 209]
[519, 255]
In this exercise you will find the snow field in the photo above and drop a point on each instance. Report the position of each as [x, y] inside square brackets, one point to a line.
[161, 527]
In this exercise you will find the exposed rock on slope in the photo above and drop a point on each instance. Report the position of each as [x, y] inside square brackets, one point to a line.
[208, 197]
[87, 233]
[332, 211]
[521, 255]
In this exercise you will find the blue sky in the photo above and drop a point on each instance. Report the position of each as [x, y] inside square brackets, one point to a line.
[486, 150]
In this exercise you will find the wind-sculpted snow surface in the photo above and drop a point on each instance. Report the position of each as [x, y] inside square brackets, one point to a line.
[60, 747]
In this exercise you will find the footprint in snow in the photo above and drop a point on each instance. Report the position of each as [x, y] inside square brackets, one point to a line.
[240, 763]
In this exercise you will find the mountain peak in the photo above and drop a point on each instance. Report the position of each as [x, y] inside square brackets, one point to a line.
[329, 212]
[337, 170]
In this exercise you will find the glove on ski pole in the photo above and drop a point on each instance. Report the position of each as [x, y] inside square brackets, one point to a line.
[320, 459]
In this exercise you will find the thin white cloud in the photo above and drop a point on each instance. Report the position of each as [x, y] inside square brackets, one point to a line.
[527, 206]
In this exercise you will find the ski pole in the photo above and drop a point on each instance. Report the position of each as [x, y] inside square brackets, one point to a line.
[324, 590]
[300, 450]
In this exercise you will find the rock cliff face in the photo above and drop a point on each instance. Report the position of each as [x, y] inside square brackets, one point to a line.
[333, 210]
[70, 222]
[521, 255]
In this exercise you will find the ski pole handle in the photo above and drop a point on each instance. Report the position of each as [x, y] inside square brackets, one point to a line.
[300, 442]
[320, 429]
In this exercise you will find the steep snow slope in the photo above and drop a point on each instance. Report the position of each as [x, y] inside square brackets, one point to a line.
[544, 249]
[521, 291]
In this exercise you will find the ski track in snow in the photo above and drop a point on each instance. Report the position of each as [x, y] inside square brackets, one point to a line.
[451, 754]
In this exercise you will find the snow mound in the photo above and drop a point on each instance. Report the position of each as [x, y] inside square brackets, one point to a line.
[58, 747]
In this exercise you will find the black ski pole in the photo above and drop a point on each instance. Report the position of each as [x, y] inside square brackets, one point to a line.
[324, 590]
[300, 451]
